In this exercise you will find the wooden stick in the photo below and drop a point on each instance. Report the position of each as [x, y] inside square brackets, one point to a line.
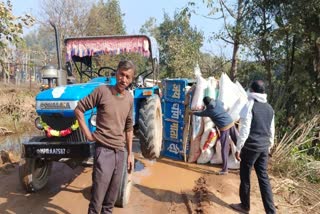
[311, 208]
[186, 133]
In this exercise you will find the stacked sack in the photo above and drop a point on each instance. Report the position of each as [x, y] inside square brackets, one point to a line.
[197, 124]
[205, 145]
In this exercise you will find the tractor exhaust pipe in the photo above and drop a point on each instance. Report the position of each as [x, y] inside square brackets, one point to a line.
[57, 43]
[62, 75]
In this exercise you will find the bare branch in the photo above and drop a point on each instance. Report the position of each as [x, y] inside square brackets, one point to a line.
[227, 41]
[225, 21]
[208, 17]
[228, 9]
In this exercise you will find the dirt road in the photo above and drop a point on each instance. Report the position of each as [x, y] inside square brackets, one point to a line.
[157, 189]
[162, 186]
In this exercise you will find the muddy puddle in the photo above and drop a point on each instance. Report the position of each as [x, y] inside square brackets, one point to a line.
[138, 166]
[12, 143]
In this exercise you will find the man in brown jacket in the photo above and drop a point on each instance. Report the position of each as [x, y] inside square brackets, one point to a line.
[114, 131]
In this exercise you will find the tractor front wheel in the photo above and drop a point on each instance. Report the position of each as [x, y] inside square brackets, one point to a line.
[34, 173]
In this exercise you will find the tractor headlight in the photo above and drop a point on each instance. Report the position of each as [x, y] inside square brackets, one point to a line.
[93, 120]
[37, 123]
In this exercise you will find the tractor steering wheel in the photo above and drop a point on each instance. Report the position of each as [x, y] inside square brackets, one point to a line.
[111, 71]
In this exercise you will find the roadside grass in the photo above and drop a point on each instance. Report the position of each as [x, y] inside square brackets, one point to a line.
[17, 109]
[300, 172]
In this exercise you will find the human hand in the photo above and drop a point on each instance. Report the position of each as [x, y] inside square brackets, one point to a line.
[90, 138]
[129, 164]
[238, 156]
[270, 152]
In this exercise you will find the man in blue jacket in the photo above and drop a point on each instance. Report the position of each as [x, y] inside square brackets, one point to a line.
[253, 146]
[214, 109]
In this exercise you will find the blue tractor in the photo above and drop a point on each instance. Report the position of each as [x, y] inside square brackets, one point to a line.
[62, 139]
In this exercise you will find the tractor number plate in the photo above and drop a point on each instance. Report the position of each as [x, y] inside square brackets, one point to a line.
[60, 150]
[53, 151]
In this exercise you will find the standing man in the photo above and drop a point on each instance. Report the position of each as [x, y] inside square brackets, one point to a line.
[114, 131]
[254, 143]
[214, 109]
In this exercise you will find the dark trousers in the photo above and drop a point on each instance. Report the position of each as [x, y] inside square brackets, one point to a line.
[106, 176]
[225, 148]
[260, 162]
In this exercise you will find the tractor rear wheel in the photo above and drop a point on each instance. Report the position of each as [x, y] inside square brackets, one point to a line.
[150, 127]
[34, 173]
[125, 184]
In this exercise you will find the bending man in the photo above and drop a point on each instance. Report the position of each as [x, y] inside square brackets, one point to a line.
[214, 109]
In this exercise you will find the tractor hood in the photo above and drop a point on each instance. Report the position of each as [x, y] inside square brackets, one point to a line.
[68, 92]
[63, 99]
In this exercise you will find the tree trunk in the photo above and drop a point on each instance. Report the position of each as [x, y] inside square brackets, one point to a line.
[267, 54]
[236, 42]
[8, 73]
[234, 64]
[317, 59]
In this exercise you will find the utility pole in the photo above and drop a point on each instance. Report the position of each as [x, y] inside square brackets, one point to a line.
[8, 71]
[30, 71]
[26, 66]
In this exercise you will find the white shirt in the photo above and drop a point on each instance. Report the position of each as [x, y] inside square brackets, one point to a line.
[246, 118]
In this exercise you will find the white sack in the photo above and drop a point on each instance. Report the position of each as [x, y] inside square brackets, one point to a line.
[233, 163]
[234, 111]
[216, 157]
[227, 90]
[208, 124]
[243, 93]
[211, 90]
[210, 141]
[196, 124]
[205, 156]
[201, 85]
[195, 151]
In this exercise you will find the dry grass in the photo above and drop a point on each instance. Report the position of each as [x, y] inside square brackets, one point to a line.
[17, 108]
[301, 172]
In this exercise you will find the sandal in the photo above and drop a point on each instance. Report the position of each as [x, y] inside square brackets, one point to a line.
[222, 173]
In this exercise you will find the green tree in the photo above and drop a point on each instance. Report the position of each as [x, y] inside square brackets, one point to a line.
[259, 28]
[150, 28]
[41, 39]
[68, 15]
[300, 21]
[179, 46]
[234, 31]
[212, 65]
[43, 42]
[233, 14]
[105, 19]
[11, 26]
[285, 40]
[10, 32]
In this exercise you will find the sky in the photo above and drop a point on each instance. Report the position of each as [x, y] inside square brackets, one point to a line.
[138, 11]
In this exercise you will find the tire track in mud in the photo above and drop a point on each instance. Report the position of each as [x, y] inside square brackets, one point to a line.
[201, 193]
